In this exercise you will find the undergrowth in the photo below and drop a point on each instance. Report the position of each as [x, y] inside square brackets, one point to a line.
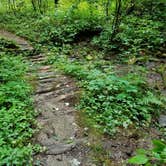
[109, 100]
[155, 156]
[112, 101]
[16, 110]
[138, 37]
[7, 46]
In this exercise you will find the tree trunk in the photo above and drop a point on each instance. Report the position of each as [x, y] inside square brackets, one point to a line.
[117, 19]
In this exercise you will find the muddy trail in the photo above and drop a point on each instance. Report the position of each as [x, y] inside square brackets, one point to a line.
[55, 96]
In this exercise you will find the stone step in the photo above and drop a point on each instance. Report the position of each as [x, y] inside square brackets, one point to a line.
[59, 148]
[37, 62]
[46, 74]
[45, 68]
[46, 90]
[38, 59]
[47, 80]
[53, 94]
[36, 56]
[21, 42]
[46, 77]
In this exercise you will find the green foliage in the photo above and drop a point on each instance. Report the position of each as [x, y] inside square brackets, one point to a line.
[16, 112]
[139, 159]
[7, 46]
[17, 24]
[67, 33]
[155, 9]
[15, 156]
[136, 37]
[49, 29]
[17, 69]
[141, 36]
[155, 156]
[112, 101]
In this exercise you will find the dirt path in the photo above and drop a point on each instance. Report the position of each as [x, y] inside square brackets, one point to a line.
[22, 43]
[54, 99]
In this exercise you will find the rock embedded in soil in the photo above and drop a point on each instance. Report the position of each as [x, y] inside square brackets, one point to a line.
[59, 148]
[162, 120]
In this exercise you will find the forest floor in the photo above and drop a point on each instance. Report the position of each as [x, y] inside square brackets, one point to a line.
[61, 132]
[54, 99]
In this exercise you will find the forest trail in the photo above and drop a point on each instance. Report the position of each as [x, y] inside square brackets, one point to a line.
[55, 95]
[21, 42]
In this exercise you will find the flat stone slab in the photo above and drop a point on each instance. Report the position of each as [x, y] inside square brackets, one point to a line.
[59, 148]
[162, 120]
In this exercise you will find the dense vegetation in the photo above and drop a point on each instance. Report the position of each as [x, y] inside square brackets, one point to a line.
[89, 40]
[16, 110]
[113, 101]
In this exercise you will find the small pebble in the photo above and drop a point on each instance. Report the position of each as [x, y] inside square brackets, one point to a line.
[67, 104]
[88, 143]
[162, 120]
[74, 124]
[86, 129]
[75, 162]
[71, 138]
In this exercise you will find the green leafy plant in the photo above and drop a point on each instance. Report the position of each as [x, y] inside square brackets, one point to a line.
[16, 112]
[137, 37]
[155, 156]
[7, 46]
[113, 102]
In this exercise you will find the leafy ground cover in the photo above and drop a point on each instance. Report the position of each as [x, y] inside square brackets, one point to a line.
[112, 101]
[16, 110]
[140, 35]
[148, 157]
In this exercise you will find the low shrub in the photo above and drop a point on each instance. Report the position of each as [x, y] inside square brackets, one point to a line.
[136, 37]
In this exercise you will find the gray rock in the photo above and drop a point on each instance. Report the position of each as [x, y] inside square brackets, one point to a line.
[59, 148]
[162, 120]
